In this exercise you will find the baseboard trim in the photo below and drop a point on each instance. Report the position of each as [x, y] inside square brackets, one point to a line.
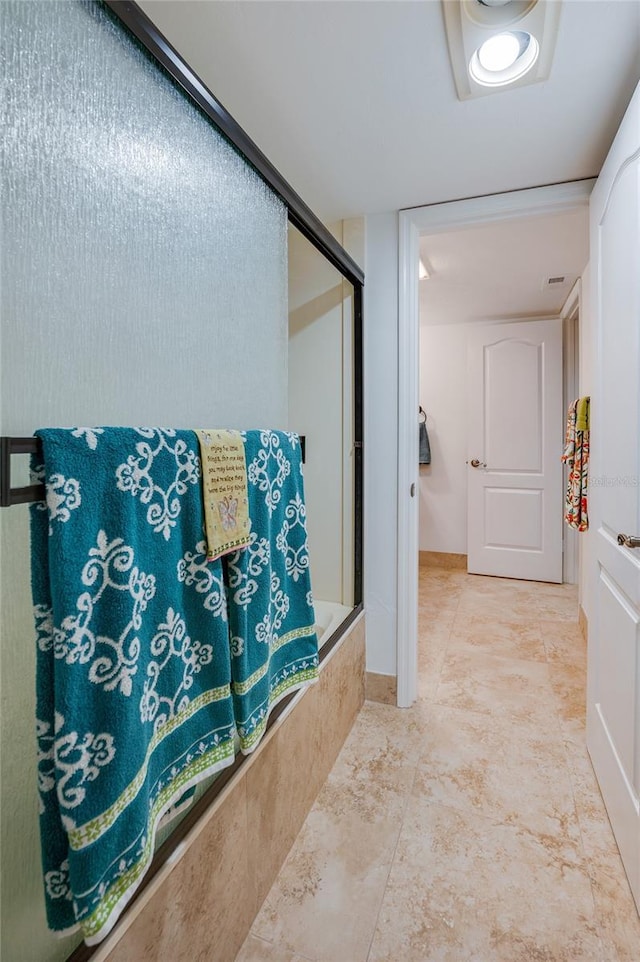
[381, 688]
[583, 622]
[443, 559]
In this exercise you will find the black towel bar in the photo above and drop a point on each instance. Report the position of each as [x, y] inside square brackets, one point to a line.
[24, 495]
[36, 492]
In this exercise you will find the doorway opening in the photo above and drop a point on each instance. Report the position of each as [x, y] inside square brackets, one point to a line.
[441, 222]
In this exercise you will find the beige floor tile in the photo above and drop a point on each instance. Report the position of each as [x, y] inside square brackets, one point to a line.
[258, 950]
[402, 728]
[432, 641]
[435, 622]
[569, 684]
[448, 579]
[464, 888]
[326, 899]
[428, 689]
[494, 767]
[557, 608]
[500, 607]
[615, 910]
[585, 944]
[470, 827]
[546, 590]
[432, 647]
[375, 770]
[473, 680]
[597, 838]
[616, 913]
[563, 642]
[512, 639]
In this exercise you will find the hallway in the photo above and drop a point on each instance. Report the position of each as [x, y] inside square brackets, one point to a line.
[468, 827]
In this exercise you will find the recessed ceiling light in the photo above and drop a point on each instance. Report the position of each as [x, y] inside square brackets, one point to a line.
[499, 52]
[471, 23]
[504, 58]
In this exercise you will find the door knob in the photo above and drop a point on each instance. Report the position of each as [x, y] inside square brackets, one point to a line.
[629, 540]
[475, 463]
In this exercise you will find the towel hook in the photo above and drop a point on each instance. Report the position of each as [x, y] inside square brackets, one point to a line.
[422, 415]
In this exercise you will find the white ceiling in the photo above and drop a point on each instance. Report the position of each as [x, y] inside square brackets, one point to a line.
[496, 272]
[354, 102]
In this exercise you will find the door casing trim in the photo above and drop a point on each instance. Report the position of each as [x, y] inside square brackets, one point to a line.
[413, 223]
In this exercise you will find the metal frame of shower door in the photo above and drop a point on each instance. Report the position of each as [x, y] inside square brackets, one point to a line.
[130, 15]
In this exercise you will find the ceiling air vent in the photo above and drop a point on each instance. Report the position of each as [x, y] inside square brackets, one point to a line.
[556, 282]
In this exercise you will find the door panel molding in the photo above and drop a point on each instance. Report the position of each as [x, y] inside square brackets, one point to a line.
[613, 664]
[516, 426]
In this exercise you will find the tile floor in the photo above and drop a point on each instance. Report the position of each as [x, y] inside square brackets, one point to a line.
[468, 828]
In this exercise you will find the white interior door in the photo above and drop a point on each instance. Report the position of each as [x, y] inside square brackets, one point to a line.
[613, 712]
[516, 435]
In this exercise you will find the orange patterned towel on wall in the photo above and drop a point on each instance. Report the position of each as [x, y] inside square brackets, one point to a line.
[576, 457]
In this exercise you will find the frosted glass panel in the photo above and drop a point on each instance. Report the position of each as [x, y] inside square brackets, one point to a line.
[140, 255]
[144, 281]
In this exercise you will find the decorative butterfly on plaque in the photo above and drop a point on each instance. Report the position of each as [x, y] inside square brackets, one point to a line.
[228, 511]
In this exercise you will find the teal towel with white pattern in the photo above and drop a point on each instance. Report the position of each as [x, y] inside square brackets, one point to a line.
[133, 661]
[274, 647]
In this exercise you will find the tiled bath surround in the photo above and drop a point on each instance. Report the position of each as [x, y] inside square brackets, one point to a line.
[203, 908]
[382, 688]
[468, 828]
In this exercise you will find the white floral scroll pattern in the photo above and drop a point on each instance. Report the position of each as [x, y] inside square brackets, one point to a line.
[171, 641]
[237, 646]
[62, 497]
[57, 882]
[194, 569]
[296, 560]
[45, 633]
[78, 760]
[90, 435]
[261, 473]
[241, 582]
[75, 641]
[267, 629]
[136, 476]
[46, 762]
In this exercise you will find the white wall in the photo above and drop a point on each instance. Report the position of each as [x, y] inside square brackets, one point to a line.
[443, 395]
[381, 439]
[321, 403]
[315, 404]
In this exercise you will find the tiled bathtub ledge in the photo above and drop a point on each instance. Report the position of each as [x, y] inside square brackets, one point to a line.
[204, 899]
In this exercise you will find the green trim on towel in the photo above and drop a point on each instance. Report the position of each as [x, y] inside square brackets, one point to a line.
[205, 765]
[85, 834]
[306, 632]
[249, 741]
[241, 688]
